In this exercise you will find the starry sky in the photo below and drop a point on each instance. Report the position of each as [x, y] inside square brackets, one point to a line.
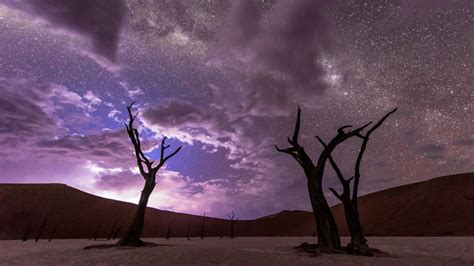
[224, 79]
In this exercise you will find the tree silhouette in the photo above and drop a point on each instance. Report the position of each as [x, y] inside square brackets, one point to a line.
[42, 226]
[358, 244]
[96, 234]
[26, 233]
[112, 230]
[188, 231]
[53, 233]
[116, 232]
[328, 234]
[168, 232]
[132, 237]
[232, 222]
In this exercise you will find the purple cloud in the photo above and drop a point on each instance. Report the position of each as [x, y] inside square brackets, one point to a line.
[99, 22]
[279, 50]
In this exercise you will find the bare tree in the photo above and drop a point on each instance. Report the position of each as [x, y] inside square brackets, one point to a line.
[328, 234]
[116, 232]
[188, 231]
[112, 230]
[132, 237]
[42, 226]
[358, 244]
[168, 232]
[53, 233]
[96, 234]
[232, 222]
[26, 233]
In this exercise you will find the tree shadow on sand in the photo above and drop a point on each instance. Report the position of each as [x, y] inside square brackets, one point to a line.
[315, 250]
[107, 246]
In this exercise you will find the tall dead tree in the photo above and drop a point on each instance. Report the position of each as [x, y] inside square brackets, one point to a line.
[232, 222]
[328, 234]
[358, 244]
[148, 172]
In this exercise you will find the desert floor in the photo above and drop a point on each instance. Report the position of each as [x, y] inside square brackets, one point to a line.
[239, 251]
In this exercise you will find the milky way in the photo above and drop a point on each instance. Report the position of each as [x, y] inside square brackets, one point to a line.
[223, 79]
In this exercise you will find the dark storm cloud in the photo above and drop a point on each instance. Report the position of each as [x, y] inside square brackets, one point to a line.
[109, 146]
[21, 116]
[244, 20]
[280, 51]
[99, 21]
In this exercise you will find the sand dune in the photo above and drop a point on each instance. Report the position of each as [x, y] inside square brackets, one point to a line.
[437, 207]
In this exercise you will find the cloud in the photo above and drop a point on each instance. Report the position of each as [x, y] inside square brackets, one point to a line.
[276, 54]
[132, 91]
[173, 191]
[97, 22]
[174, 113]
[29, 122]
[108, 149]
[25, 114]
[432, 151]
[189, 123]
[118, 181]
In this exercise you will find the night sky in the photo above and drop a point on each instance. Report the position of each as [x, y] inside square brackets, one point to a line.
[223, 79]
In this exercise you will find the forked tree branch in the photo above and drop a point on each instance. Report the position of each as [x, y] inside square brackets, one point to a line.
[134, 137]
[139, 154]
[296, 150]
[363, 147]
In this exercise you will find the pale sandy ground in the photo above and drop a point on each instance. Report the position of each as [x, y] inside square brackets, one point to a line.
[240, 251]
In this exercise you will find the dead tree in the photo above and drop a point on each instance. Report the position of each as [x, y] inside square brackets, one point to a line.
[116, 232]
[112, 230]
[40, 231]
[188, 231]
[358, 244]
[53, 233]
[148, 172]
[26, 233]
[168, 232]
[96, 234]
[232, 222]
[203, 225]
[328, 234]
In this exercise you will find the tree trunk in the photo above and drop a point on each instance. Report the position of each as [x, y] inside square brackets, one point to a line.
[328, 234]
[231, 229]
[358, 244]
[132, 237]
